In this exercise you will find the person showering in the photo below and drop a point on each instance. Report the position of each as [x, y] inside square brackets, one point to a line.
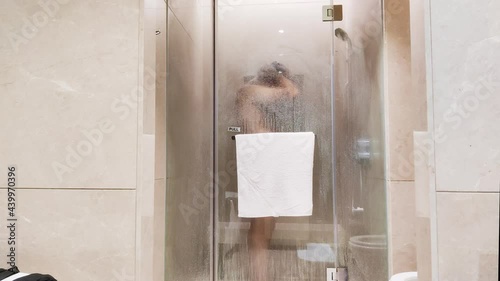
[258, 102]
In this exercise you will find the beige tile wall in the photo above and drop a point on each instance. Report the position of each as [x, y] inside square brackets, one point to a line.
[151, 195]
[160, 143]
[468, 236]
[402, 218]
[424, 246]
[69, 74]
[78, 94]
[75, 235]
[463, 68]
[466, 83]
[146, 145]
[404, 109]
[459, 156]
[423, 206]
[422, 144]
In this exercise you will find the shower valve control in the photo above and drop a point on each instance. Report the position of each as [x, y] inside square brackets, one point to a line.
[363, 149]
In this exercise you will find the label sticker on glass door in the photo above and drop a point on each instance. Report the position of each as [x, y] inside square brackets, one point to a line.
[234, 129]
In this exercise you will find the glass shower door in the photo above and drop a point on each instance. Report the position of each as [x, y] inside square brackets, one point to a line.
[333, 88]
[256, 42]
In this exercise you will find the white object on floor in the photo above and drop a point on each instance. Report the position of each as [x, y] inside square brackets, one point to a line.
[317, 252]
[405, 276]
[15, 276]
[275, 172]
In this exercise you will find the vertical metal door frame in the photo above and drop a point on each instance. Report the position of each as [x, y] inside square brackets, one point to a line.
[215, 198]
[334, 151]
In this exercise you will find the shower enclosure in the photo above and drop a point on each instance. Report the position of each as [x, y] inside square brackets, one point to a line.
[214, 49]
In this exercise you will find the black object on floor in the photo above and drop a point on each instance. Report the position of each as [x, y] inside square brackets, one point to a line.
[5, 273]
[36, 277]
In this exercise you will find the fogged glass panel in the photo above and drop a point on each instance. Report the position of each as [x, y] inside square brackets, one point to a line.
[189, 228]
[359, 175]
[333, 72]
[261, 47]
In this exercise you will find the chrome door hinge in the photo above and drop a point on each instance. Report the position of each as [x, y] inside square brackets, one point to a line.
[336, 274]
[333, 13]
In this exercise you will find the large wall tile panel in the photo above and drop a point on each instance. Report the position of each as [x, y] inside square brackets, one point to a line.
[466, 74]
[68, 84]
[468, 236]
